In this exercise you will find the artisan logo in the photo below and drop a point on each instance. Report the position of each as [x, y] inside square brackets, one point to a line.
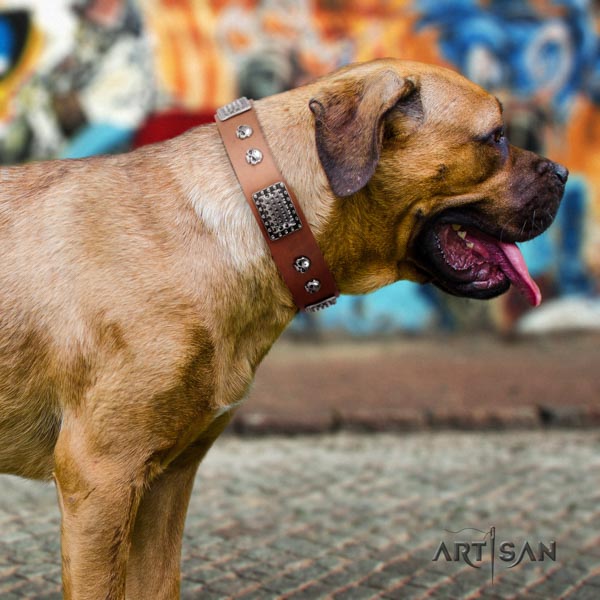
[472, 552]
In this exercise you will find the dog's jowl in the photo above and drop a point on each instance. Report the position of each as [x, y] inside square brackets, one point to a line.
[138, 292]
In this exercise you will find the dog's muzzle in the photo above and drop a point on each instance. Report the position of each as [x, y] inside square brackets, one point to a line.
[466, 253]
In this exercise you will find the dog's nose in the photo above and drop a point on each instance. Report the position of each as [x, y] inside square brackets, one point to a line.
[546, 166]
[561, 172]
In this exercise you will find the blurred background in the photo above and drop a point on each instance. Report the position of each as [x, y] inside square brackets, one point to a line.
[82, 77]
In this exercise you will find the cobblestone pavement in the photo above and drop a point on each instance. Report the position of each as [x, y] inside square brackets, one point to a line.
[358, 516]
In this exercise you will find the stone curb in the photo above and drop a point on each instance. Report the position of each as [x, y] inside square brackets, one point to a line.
[251, 423]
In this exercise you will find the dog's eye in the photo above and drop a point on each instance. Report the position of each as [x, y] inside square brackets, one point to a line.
[498, 137]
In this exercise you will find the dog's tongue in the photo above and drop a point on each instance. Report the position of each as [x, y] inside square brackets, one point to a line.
[516, 270]
[509, 259]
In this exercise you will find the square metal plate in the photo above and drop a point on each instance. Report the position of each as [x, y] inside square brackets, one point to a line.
[277, 211]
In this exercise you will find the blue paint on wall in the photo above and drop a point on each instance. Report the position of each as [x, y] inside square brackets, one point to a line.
[399, 307]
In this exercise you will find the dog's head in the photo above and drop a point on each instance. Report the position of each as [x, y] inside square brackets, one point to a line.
[427, 186]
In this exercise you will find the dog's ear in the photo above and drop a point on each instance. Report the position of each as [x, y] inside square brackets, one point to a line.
[349, 126]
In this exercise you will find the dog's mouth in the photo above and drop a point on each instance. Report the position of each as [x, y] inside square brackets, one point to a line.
[464, 260]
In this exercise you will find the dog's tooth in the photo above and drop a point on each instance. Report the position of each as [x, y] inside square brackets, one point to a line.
[456, 227]
[461, 234]
[470, 245]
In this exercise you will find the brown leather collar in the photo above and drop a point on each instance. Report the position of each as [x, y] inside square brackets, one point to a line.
[276, 208]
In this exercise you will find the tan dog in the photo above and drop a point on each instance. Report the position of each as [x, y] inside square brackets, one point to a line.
[137, 296]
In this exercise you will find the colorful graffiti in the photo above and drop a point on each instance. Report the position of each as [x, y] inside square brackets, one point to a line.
[78, 77]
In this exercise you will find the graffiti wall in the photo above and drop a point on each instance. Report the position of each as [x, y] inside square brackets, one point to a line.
[79, 77]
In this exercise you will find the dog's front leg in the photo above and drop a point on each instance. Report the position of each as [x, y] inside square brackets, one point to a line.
[99, 493]
[153, 569]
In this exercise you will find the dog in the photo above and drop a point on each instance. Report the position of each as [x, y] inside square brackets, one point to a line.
[138, 296]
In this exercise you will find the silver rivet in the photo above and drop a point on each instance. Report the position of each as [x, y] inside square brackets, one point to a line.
[302, 264]
[312, 286]
[243, 132]
[254, 156]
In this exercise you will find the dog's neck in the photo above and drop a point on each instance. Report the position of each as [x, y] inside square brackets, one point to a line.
[276, 208]
[288, 126]
[250, 298]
